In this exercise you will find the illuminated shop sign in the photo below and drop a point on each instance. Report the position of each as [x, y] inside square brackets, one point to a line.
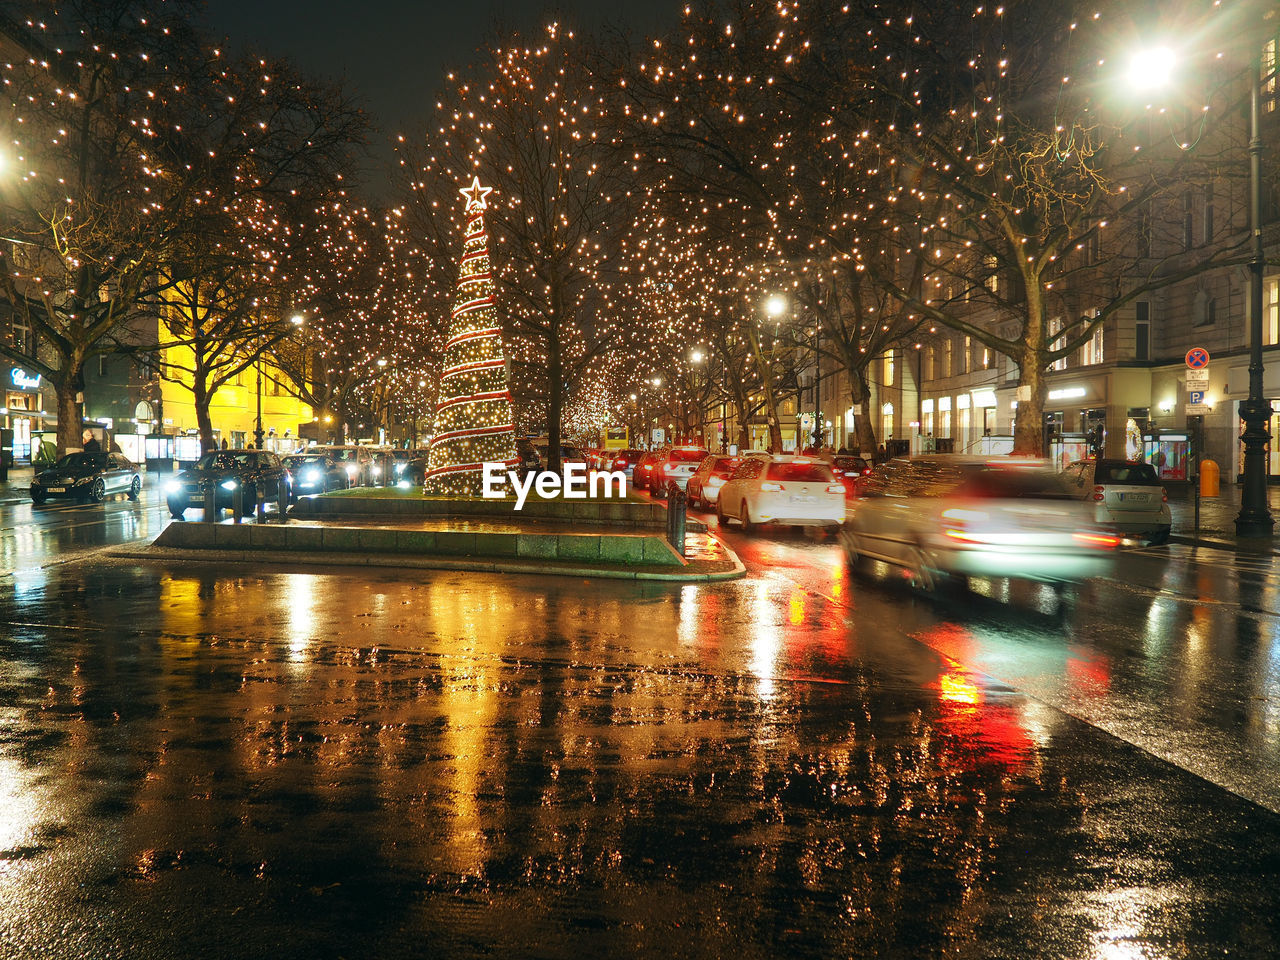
[23, 380]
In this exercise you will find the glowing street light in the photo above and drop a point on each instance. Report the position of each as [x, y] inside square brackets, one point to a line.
[776, 305]
[1151, 69]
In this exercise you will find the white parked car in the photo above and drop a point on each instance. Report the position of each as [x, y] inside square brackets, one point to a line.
[947, 517]
[1125, 495]
[765, 488]
[674, 472]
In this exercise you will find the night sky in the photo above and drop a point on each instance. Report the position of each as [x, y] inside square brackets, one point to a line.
[393, 54]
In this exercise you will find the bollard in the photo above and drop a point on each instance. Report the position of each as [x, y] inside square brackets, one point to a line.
[282, 500]
[237, 503]
[211, 504]
[260, 503]
[676, 519]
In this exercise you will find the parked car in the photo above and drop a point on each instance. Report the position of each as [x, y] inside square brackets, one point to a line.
[674, 472]
[644, 468]
[568, 454]
[315, 473]
[1126, 496]
[712, 473]
[848, 470]
[765, 488]
[87, 476]
[255, 473]
[382, 469]
[624, 460]
[951, 517]
[412, 472]
[357, 461]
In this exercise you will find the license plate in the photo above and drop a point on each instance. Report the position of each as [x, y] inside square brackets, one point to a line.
[800, 498]
[1135, 497]
[57, 489]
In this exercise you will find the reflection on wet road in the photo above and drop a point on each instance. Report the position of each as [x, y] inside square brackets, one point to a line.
[202, 761]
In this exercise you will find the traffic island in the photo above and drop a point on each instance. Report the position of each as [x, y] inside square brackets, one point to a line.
[490, 546]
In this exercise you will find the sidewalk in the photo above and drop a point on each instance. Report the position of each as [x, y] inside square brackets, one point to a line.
[18, 487]
[1217, 520]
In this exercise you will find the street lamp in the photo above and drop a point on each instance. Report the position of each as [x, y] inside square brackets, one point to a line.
[1254, 519]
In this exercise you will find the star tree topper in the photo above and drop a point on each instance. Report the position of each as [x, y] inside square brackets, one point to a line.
[475, 195]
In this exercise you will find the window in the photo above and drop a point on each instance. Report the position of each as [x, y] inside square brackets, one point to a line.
[1055, 330]
[992, 281]
[1091, 352]
[946, 357]
[888, 369]
[1269, 59]
[1208, 213]
[986, 358]
[1142, 340]
[927, 361]
[102, 364]
[1271, 312]
[886, 421]
[962, 366]
[1188, 223]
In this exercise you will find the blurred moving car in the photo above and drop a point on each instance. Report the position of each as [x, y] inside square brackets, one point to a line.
[953, 517]
[255, 473]
[674, 472]
[643, 472]
[712, 473]
[357, 461]
[764, 488]
[87, 476]
[1126, 496]
[412, 472]
[381, 467]
[847, 470]
[625, 460]
[315, 473]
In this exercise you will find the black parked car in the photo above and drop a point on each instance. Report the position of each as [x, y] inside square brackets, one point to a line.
[315, 473]
[254, 472]
[87, 476]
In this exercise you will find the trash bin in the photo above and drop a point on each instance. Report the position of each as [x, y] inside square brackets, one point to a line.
[1209, 479]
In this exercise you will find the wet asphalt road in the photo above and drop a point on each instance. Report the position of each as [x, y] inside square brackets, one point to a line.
[209, 761]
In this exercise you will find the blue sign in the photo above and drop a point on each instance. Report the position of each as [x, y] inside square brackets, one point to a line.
[1195, 396]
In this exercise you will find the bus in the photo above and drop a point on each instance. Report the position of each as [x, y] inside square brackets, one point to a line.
[617, 438]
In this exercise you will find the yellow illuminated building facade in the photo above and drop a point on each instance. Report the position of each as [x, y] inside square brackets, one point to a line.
[234, 406]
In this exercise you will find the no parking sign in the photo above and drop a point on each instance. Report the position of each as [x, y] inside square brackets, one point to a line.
[1197, 358]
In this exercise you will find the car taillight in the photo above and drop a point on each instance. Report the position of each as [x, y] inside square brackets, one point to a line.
[1164, 495]
[619, 463]
[648, 466]
[715, 481]
[771, 487]
[1099, 493]
[1099, 541]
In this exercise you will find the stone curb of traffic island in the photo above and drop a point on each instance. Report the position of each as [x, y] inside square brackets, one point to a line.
[716, 569]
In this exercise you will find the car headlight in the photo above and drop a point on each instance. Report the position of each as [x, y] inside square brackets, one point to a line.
[172, 486]
[352, 471]
[311, 475]
[228, 484]
[377, 471]
[400, 468]
[403, 484]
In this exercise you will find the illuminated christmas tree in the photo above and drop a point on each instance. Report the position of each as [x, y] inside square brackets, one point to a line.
[474, 416]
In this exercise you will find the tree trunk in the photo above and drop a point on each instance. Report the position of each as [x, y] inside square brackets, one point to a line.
[770, 401]
[204, 420]
[859, 393]
[555, 399]
[70, 410]
[1028, 426]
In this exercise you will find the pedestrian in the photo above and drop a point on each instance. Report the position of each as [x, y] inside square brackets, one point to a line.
[842, 452]
[881, 454]
[224, 444]
[91, 444]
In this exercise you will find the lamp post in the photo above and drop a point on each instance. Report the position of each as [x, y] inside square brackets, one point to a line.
[1254, 519]
[1153, 68]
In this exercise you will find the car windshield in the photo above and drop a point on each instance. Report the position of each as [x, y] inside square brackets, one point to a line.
[800, 472]
[724, 466]
[81, 461]
[342, 454]
[1014, 483]
[1139, 474]
[687, 456]
[223, 460]
[301, 460]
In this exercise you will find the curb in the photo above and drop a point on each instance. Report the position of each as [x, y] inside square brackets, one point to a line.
[1236, 546]
[476, 565]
